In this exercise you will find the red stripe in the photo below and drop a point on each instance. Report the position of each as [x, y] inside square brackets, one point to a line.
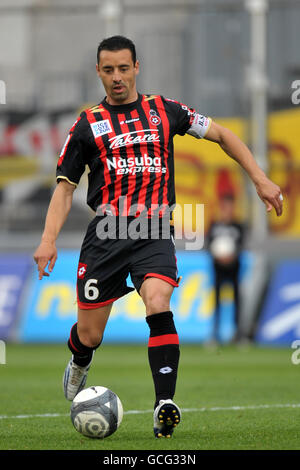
[163, 340]
[72, 341]
[164, 278]
[118, 180]
[166, 129]
[132, 178]
[99, 142]
[146, 176]
[67, 141]
[62, 155]
[86, 306]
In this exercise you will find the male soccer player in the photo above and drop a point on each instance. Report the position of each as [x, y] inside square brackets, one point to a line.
[127, 143]
[225, 241]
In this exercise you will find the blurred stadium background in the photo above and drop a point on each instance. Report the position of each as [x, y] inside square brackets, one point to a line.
[233, 60]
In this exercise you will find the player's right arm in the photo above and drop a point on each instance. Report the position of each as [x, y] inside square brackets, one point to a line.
[70, 167]
[59, 208]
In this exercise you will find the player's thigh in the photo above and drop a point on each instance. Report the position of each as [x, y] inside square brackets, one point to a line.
[154, 273]
[102, 270]
[91, 324]
[156, 295]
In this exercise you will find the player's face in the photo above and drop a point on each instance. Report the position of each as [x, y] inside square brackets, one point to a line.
[227, 210]
[118, 74]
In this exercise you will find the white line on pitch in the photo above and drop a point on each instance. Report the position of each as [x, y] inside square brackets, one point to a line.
[185, 410]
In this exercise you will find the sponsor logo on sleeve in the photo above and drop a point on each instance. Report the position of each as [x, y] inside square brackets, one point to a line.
[100, 128]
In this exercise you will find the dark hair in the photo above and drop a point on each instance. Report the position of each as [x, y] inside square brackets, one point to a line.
[116, 43]
[227, 197]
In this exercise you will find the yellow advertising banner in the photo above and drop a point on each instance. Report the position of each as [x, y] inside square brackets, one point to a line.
[284, 155]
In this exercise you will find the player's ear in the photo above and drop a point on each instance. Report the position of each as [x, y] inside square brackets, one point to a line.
[98, 69]
[137, 67]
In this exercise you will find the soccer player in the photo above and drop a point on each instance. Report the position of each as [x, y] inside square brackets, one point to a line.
[127, 143]
[225, 241]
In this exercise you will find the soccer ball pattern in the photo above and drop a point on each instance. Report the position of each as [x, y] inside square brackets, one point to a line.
[96, 412]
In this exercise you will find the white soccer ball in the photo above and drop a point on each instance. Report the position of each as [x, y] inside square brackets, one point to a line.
[222, 246]
[96, 412]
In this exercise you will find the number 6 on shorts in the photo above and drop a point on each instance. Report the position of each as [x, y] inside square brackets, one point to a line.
[91, 292]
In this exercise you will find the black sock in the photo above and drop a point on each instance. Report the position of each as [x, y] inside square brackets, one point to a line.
[163, 354]
[82, 355]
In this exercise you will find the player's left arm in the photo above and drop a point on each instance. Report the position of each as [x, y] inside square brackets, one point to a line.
[268, 191]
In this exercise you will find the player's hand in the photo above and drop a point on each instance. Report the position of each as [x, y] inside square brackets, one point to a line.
[270, 194]
[45, 253]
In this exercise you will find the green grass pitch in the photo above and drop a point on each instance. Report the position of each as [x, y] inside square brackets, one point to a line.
[237, 399]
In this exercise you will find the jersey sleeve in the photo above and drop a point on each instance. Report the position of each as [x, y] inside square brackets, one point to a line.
[199, 126]
[71, 162]
[188, 120]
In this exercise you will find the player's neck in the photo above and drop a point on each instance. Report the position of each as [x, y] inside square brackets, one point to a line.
[130, 99]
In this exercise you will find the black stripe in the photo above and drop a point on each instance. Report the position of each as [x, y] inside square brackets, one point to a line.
[171, 183]
[137, 153]
[96, 166]
[150, 152]
[170, 162]
[122, 152]
[162, 157]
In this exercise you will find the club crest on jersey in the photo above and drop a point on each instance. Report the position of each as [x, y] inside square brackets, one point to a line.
[154, 118]
[101, 128]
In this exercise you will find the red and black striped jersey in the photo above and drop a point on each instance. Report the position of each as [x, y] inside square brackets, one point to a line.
[129, 151]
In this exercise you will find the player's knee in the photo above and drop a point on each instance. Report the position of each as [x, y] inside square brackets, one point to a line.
[156, 302]
[156, 295]
[90, 337]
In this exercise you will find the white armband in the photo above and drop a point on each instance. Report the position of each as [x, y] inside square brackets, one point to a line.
[199, 127]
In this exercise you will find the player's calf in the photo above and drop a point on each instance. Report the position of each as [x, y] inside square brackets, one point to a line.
[82, 354]
[163, 354]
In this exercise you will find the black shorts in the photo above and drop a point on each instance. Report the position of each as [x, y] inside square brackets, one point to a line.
[104, 265]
